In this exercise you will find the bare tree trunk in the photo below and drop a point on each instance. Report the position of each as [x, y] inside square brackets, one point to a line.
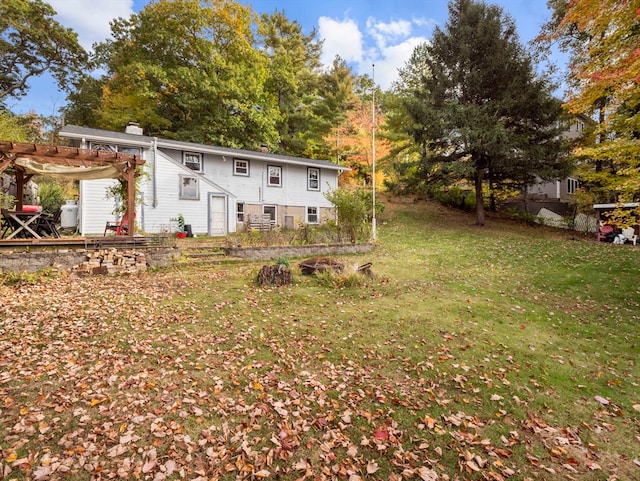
[479, 199]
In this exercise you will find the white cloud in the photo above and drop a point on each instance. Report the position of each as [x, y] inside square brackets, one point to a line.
[389, 60]
[341, 38]
[424, 22]
[90, 20]
[389, 47]
[384, 32]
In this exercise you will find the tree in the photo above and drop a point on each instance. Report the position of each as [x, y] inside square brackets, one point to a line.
[293, 77]
[352, 135]
[602, 37]
[33, 43]
[405, 172]
[477, 108]
[353, 209]
[187, 69]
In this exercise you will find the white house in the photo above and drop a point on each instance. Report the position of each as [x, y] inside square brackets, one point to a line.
[215, 189]
[562, 190]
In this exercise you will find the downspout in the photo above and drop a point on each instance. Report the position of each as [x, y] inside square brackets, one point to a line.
[154, 203]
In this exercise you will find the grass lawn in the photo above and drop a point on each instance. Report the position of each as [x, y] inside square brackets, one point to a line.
[505, 352]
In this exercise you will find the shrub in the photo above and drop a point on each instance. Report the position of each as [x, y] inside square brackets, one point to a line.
[353, 212]
[51, 196]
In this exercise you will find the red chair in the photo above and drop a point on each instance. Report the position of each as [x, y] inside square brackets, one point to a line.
[119, 228]
[605, 233]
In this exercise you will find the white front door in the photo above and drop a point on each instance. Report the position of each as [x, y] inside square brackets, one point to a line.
[217, 215]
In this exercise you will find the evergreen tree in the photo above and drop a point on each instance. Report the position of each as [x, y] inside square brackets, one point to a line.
[293, 77]
[476, 105]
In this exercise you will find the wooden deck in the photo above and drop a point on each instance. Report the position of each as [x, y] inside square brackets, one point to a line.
[98, 242]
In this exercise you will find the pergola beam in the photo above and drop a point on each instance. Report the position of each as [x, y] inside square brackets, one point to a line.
[126, 164]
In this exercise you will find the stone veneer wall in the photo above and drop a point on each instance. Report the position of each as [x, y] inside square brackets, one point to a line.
[271, 253]
[100, 261]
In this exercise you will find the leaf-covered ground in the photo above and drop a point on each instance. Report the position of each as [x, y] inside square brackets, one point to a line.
[202, 375]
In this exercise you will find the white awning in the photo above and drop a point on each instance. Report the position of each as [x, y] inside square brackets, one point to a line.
[69, 172]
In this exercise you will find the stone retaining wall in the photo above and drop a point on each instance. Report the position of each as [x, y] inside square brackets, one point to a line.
[273, 252]
[116, 261]
[100, 261]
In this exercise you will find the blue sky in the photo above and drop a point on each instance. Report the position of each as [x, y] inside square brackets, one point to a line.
[363, 32]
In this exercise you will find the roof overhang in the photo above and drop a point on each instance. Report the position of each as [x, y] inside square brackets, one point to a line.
[628, 205]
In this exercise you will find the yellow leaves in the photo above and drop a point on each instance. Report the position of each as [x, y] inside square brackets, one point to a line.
[98, 400]
[44, 427]
[11, 457]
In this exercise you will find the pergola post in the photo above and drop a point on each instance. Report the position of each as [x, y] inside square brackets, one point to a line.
[19, 187]
[131, 199]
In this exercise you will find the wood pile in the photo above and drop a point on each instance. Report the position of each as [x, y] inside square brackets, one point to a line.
[112, 261]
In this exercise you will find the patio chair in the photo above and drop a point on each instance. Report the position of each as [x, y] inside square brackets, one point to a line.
[5, 224]
[47, 224]
[119, 228]
[606, 233]
[630, 235]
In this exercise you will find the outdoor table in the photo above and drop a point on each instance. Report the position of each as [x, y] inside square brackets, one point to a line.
[24, 223]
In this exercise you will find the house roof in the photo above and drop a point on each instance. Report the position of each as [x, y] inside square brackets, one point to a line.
[135, 140]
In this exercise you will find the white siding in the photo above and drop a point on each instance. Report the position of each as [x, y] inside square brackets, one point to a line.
[168, 202]
[254, 189]
[95, 209]
[160, 200]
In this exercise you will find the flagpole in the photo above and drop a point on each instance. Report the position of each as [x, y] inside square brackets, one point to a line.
[373, 150]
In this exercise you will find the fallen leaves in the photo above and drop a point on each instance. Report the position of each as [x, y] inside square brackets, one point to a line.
[98, 379]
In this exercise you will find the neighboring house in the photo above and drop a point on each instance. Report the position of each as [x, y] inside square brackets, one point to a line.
[216, 189]
[564, 189]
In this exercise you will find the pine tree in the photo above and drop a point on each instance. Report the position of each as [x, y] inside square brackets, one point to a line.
[477, 108]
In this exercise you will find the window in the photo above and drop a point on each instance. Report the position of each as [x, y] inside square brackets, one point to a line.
[572, 185]
[240, 167]
[275, 176]
[193, 161]
[240, 212]
[116, 148]
[313, 179]
[189, 187]
[106, 147]
[271, 210]
[312, 215]
[129, 150]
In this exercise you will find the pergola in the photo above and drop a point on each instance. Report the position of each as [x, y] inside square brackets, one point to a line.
[68, 162]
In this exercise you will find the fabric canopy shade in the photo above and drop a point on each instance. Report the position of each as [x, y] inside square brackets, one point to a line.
[69, 172]
[71, 163]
